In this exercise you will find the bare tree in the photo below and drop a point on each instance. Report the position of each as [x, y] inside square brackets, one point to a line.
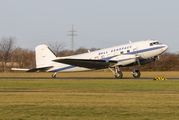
[66, 53]
[94, 49]
[6, 49]
[81, 50]
[57, 47]
[24, 57]
[85, 50]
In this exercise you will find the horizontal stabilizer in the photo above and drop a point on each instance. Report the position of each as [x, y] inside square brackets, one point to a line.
[19, 69]
[87, 63]
[42, 69]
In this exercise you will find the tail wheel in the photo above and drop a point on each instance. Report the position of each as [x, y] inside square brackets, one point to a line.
[53, 75]
[136, 74]
[119, 74]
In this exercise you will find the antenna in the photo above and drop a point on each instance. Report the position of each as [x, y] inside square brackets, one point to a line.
[72, 37]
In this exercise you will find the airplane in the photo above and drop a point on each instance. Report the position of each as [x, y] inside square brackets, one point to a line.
[131, 54]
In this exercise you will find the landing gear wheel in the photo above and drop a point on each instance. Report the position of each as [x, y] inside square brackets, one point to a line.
[119, 74]
[53, 75]
[136, 74]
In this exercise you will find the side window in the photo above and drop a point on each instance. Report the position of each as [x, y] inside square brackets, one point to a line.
[151, 44]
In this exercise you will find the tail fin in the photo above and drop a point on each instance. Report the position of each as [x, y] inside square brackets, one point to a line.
[44, 56]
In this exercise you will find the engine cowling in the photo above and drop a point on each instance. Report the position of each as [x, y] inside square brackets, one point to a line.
[125, 59]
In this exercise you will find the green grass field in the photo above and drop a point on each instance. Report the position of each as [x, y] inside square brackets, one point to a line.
[89, 99]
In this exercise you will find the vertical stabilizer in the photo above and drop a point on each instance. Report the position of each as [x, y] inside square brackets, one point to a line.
[44, 56]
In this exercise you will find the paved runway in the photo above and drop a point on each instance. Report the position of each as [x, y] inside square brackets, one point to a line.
[78, 78]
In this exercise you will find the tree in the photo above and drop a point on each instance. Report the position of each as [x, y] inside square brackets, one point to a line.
[57, 47]
[25, 58]
[6, 48]
[81, 50]
[94, 49]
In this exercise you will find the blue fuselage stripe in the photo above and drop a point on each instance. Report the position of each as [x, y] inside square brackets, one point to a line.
[108, 58]
[122, 60]
[61, 69]
[145, 50]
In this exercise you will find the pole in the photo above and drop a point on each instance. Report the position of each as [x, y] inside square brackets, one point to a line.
[72, 37]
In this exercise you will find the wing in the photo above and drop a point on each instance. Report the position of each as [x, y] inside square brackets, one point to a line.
[87, 63]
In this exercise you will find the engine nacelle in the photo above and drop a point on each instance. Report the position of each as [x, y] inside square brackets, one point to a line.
[125, 59]
[143, 62]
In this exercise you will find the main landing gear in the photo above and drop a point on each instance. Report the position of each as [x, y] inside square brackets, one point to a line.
[118, 74]
[136, 74]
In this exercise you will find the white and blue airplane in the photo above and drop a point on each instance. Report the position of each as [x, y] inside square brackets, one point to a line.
[131, 54]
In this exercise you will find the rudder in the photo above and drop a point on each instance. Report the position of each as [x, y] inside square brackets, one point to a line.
[44, 56]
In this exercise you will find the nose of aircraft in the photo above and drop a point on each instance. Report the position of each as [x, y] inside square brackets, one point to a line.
[165, 48]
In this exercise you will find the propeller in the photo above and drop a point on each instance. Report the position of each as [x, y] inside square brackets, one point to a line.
[155, 62]
[158, 57]
[155, 59]
[137, 57]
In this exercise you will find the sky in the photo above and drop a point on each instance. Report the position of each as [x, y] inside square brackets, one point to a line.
[99, 23]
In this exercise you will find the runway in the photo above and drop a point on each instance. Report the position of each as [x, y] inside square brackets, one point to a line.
[80, 78]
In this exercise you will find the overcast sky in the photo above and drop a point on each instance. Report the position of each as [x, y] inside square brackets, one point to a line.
[99, 23]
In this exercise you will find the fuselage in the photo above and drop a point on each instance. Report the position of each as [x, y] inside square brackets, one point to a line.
[124, 54]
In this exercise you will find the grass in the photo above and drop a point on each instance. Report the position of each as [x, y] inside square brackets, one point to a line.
[90, 106]
[90, 85]
[89, 99]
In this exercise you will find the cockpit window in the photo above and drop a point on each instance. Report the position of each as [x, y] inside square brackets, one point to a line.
[155, 43]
